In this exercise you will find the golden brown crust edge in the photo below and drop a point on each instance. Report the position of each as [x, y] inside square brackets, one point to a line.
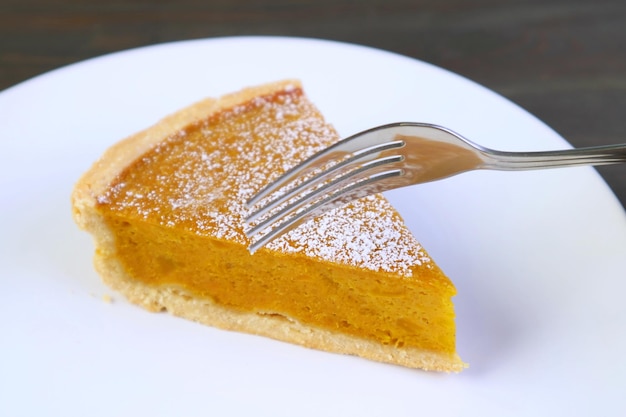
[179, 303]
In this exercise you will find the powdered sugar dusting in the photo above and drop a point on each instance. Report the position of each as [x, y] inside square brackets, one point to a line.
[364, 233]
[200, 178]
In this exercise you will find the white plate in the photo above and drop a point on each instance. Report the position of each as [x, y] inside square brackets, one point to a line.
[539, 258]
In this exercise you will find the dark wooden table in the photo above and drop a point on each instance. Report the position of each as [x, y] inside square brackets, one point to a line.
[562, 60]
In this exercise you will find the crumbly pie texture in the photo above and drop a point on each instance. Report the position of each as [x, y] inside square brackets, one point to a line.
[367, 234]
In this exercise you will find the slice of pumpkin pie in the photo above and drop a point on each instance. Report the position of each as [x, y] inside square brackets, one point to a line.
[166, 208]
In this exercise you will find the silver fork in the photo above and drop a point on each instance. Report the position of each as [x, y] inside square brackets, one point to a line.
[387, 157]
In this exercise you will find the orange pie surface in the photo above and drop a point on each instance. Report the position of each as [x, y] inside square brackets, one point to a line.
[166, 209]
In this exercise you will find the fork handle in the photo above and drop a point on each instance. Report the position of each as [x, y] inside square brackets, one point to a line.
[513, 161]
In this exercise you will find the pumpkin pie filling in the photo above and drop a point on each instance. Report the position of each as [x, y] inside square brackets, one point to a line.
[176, 216]
[364, 304]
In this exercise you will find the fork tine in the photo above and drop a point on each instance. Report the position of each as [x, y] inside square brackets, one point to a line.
[338, 169]
[361, 145]
[366, 170]
[373, 184]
